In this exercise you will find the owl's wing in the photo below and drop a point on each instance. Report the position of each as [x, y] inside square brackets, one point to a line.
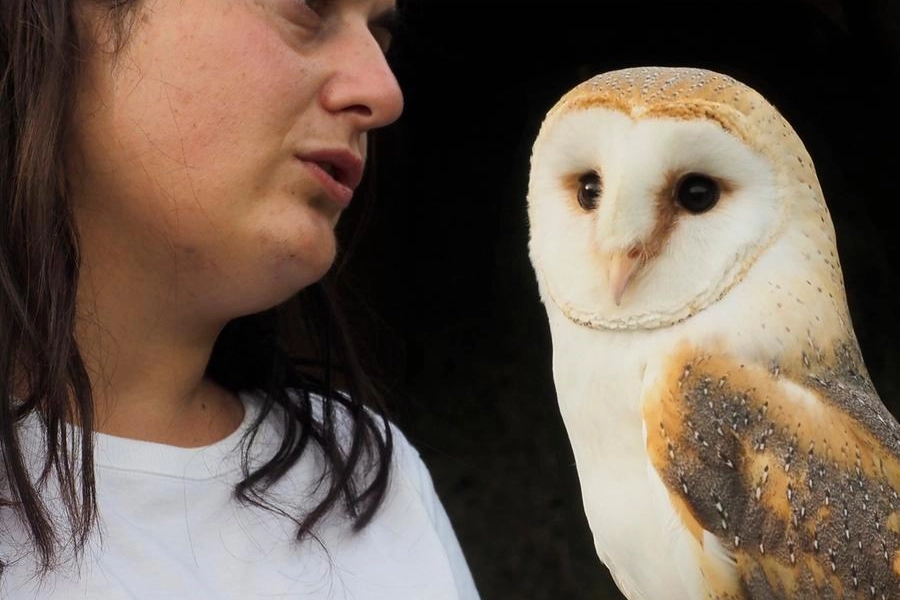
[787, 484]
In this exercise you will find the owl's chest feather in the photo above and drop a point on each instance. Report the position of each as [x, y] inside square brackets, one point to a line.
[625, 501]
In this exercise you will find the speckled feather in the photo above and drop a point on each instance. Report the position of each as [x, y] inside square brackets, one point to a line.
[748, 396]
[803, 496]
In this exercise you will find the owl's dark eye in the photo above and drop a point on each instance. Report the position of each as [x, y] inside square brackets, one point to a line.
[697, 193]
[589, 188]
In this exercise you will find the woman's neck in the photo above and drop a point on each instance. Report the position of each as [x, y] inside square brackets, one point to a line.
[147, 365]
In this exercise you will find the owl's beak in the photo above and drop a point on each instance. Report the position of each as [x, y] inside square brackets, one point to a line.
[622, 266]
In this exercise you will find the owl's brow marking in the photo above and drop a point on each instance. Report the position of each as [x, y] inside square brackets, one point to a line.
[681, 111]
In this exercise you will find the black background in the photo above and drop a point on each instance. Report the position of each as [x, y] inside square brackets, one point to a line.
[459, 335]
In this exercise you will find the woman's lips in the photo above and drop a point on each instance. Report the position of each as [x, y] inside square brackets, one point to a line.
[338, 172]
[337, 191]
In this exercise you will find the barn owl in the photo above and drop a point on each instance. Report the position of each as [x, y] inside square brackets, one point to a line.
[728, 440]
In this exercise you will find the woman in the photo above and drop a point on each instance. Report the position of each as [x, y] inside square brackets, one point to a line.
[171, 175]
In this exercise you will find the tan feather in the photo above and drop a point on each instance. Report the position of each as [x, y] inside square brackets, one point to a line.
[799, 489]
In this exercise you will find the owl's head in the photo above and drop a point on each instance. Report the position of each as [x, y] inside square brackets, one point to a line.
[654, 190]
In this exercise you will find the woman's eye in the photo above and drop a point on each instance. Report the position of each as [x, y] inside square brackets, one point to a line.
[383, 38]
[317, 6]
[307, 13]
[300, 13]
[384, 28]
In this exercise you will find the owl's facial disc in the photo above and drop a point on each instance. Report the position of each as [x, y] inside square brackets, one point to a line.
[642, 222]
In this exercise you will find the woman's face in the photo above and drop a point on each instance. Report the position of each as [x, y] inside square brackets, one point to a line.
[212, 155]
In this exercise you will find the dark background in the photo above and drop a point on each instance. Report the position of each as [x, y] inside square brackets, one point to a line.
[460, 337]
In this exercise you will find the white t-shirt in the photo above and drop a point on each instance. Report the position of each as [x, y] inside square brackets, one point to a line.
[171, 529]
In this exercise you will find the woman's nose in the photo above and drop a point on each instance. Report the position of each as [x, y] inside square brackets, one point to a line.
[364, 84]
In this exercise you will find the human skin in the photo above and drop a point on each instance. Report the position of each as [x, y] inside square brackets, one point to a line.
[209, 161]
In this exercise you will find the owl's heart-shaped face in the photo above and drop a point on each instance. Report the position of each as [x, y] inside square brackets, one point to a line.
[645, 220]
[653, 191]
